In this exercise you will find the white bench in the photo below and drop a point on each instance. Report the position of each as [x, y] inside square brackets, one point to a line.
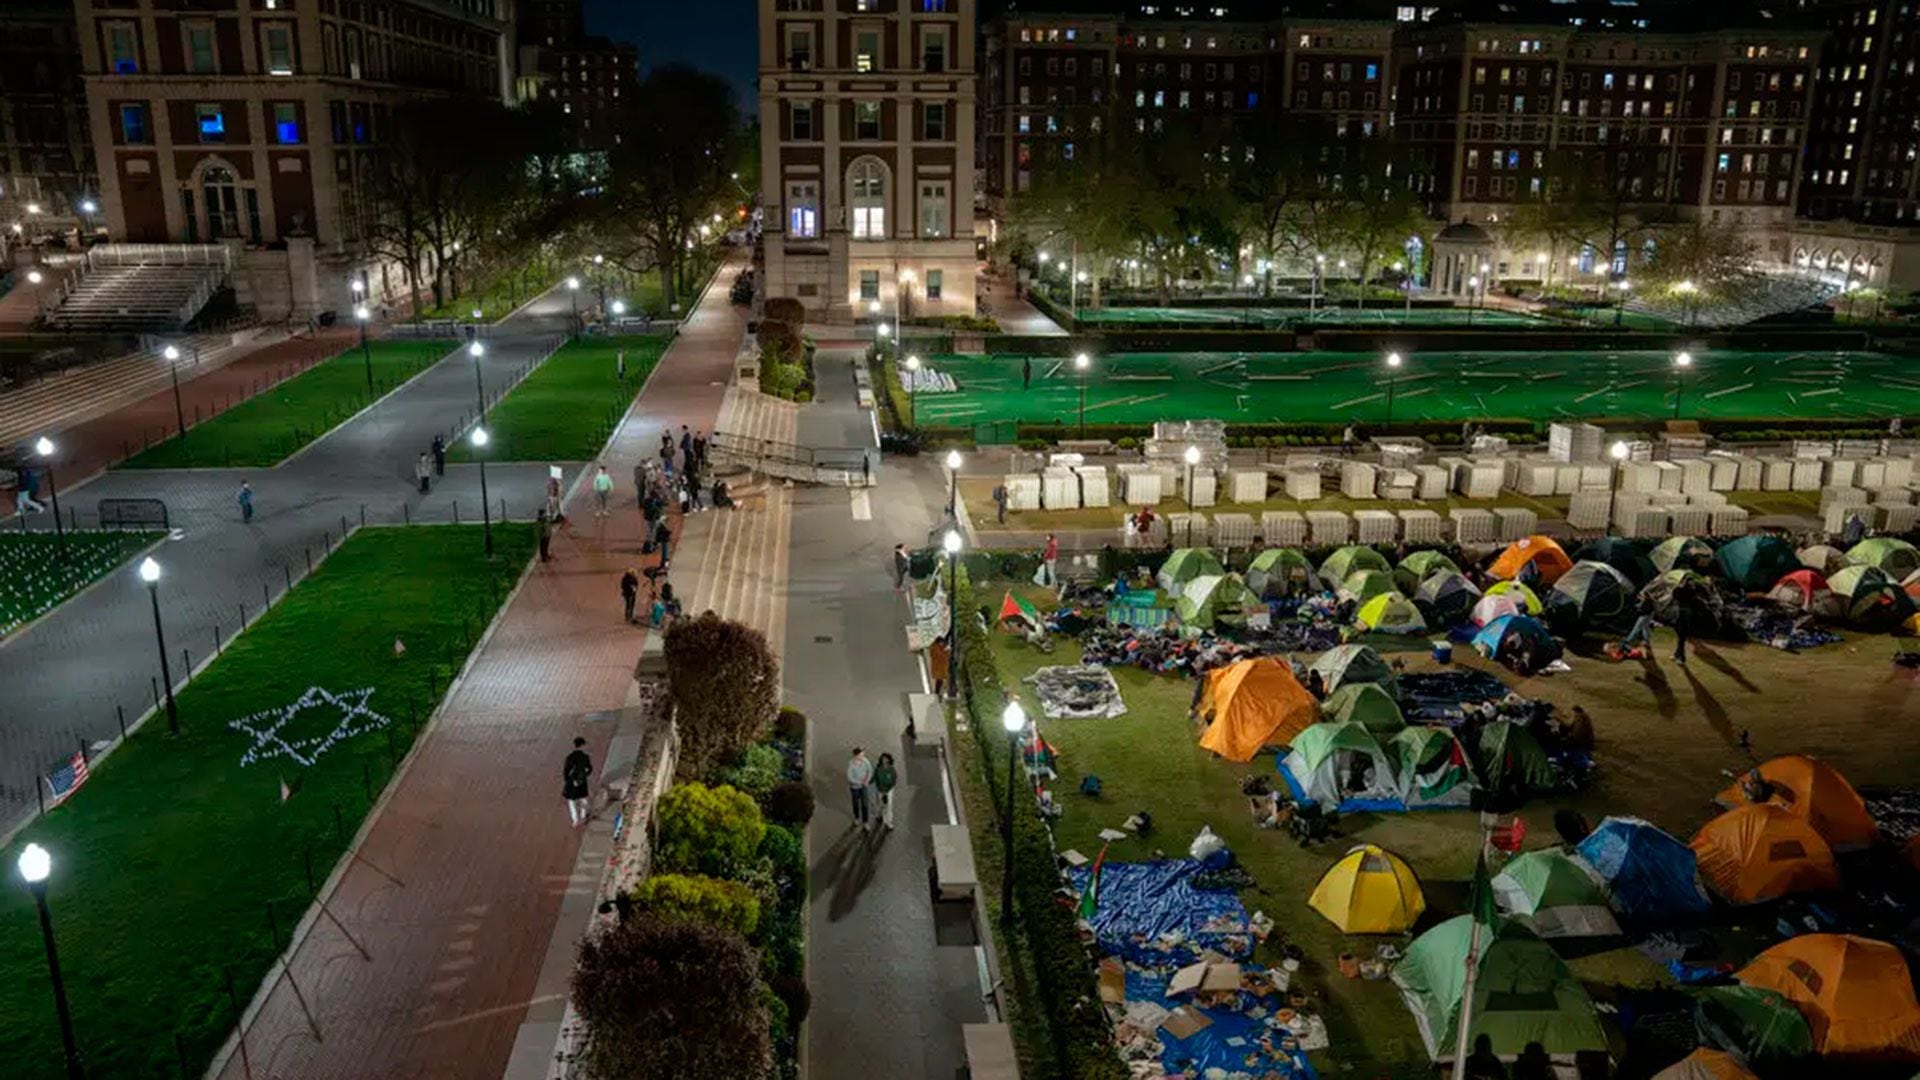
[990, 1053]
[954, 876]
[929, 720]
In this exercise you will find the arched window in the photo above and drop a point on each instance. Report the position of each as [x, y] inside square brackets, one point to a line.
[867, 199]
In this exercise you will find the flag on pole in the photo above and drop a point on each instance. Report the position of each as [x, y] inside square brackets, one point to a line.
[1090, 896]
[1017, 609]
[67, 779]
[1481, 899]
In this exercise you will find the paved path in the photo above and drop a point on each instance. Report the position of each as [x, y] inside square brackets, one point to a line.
[475, 825]
[1015, 314]
[66, 676]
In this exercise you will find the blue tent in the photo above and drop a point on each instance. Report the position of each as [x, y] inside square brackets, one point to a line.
[1652, 879]
[1495, 634]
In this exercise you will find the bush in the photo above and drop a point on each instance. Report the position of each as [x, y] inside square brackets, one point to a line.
[757, 770]
[790, 724]
[728, 905]
[725, 684]
[790, 803]
[783, 940]
[793, 993]
[779, 379]
[783, 849]
[779, 341]
[707, 830]
[786, 309]
[671, 1000]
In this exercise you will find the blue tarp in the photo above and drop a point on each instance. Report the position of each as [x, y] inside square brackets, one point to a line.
[1652, 878]
[1139, 902]
[1213, 1047]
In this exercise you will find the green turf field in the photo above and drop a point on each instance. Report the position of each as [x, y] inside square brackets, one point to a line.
[566, 408]
[1294, 315]
[1138, 388]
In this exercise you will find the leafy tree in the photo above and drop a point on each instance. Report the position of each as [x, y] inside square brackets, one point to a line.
[1269, 182]
[668, 999]
[707, 830]
[1710, 259]
[728, 905]
[726, 689]
[1376, 216]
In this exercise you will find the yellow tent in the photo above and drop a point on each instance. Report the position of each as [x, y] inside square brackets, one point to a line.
[1369, 891]
[1254, 703]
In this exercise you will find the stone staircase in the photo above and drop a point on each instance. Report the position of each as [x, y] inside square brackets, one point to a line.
[752, 415]
[64, 399]
[743, 563]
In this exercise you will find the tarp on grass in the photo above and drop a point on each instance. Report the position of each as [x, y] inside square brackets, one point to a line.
[1522, 992]
[1141, 904]
[1229, 1043]
[1652, 879]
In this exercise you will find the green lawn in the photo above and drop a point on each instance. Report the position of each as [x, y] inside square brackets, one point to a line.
[266, 428]
[35, 577]
[498, 297]
[1272, 316]
[168, 863]
[567, 407]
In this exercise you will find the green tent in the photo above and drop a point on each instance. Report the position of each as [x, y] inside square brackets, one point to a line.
[1890, 555]
[1345, 664]
[1431, 766]
[1682, 553]
[1184, 565]
[1446, 599]
[1420, 566]
[1682, 597]
[1350, 558]
[1755, 562]
[1758, 1024]
[1210, 596]
[1281, 572]
[1391, 613]
[1364, 585]
[1872, 598]
[1592, 595]
[1331, 763]
[1364, 704]
[1554, 895]
[1623, 555]
[1522, 992]
[1510, 759]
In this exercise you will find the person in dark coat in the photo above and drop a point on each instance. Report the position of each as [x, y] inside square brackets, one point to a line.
[439, 456]
[630, 590]
[576, 773]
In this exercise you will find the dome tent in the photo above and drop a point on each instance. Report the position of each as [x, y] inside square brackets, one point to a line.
[1622, 554]
[1525, 598]
[1345, 664]
[1806, 590]
[1682, 553]
[1872, 599]
[1753, 563]
[1281, 572]
[1706, 1063]
[1391, 613]
[1684, 598]
[1254, 704]
[1490, 609]
[1370, 890]
[1183, 566]
[1446, 599]
[1363, 585]
[1522, 992]
[1432, 767]
[1364, 704]
[1760, 1025]
[1509, 758]
[1591, 595]
[1351, 558]
[1495, 636]
[1811, 789]
[1542, 553]
[1554, 895]
[1651, 878]
[1752, 854]
[1204, 599]
[1341, 766]
[1856, 993]
[1890, 555]
[1823, 557]
[1419, 566]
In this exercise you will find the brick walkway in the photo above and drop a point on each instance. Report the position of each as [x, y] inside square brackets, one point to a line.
[475, 827]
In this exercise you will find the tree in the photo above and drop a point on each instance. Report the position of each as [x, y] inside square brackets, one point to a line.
[1276, 172]
[1377, 214]
[671, 1000]
[1705, 257]
[709, 830]
[1089, 204]
[726, 689]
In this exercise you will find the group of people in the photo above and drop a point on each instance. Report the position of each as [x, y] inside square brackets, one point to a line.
[431, 464]
[870, 782]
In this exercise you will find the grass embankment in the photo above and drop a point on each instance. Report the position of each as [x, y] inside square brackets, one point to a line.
[178, 866]
[567, 407]
[270, 426]
[35, 577]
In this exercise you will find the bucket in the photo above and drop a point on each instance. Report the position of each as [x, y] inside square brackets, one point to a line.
[1442, 651]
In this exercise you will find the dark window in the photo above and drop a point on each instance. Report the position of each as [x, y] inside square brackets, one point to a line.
[133, 124]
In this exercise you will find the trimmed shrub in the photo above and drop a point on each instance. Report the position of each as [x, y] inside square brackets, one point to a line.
[786, 309]
[671, 1000]
[783, 940]
[791, 723]
[792, 991]
[790, 803]
[757, 770]
[728, 905]
[726, 688]
[779, 340]
[707, 830]
[784, 851]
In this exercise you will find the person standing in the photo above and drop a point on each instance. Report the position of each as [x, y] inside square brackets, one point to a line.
[686, 447]
[859, 779]
[885, 778]
[1050, 561]
[1000, 503]
[543, 528]
[423, 472]
[245, 499]
[602, 491]
[693, 493]
[666, 456]
[699, 451]
[630, 590]
[940, 664]
[439, 456]
[1348, 441]
[1026, 373]
[663, 540]
[575, 774]
[902, 564]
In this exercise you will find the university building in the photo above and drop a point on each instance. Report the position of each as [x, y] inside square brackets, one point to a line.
[585, 75]
[47, 175]
[867, 154]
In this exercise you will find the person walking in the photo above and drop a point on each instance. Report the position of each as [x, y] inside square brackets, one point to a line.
[439, 456]
[630, 590]
[859, 779]
[1050, 562]
[663, 541]
[686, 447]
[602, 491]
[1642, 632]
[245, 499]
[543, 528]
[902, 564]
[940, 664]
[25, 499]
[1682, 601]
[666, 457]
[1348, 441]
[575, 774]
[423, 472]
[1000, 503]
[885, 778]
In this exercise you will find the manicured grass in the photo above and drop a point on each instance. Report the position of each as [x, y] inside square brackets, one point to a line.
[266, 428]
[175, 860]
[567, 407]
[35, 577]
[498, 297]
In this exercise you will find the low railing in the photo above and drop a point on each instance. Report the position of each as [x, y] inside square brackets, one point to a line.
[814, 465]
[162, 254]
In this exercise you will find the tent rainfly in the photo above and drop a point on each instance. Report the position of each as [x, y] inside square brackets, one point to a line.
[1344, 664]
[1754, 562]
[1682, 553]
[1522, 992]
[1254, 704]
[1592, 594]
[1620, 553]
[1183, 566]
[1890, 555]
[1363, 585]
[1369, 891]
[1521, 594]
[1204, 600]
[1706, 1063]
[1419, 566]
[1812, 789]
[1367, 705]
[1542, 553]
[1652, 879]
[1432, 767]
[1351, 558]
[1752, 854]
[1856, 993]
[1279, 572]
[1341, 766]
[1391, 613]
[1446, 599]
[1554, 894]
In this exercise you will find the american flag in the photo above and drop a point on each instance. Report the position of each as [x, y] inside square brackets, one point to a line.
[67, 779]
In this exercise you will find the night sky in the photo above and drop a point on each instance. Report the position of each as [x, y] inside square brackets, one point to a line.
[717, 35]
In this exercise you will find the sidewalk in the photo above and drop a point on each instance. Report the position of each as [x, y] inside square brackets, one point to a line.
[475, 827]
[1014, 313]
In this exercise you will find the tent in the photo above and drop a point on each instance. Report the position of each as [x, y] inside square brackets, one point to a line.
[1496, 635]
[1755, 853]
[1706, 1064]
[1890, 555]
[1682, 597]
[1760, 1025]
[1281, 572]
[1855, 992]
[1554, 895]
[1341, 766]
[1254, 703]
[1487, 609]
[1446, 599]
[1523, 596]
[1824, 558]
[1682, 553]
[1432, 768]
[1912, 584]
[1351, 558]
[1369, 891]
[1620, 553]
[1363, 585]
[1651, 878]
[1345, 664]
[1592, 594]
[1806, 590]
[1522, 991]
[1391, 613]
[1755, 562]
[1419, 566]
[1367, 705]
[1184, 565]
[1206, 598]
[1509, 758]
[1872, 599]
[1811, 789]
[1542, 552]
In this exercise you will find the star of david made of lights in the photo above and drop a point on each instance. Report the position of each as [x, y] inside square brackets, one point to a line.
[268, 726]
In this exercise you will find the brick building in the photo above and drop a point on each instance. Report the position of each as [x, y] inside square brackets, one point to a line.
[586, 76]
[47, 173]
[867, 154]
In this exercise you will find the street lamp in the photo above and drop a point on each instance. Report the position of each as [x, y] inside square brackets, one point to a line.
[150, 573]
[1681, 362]
[44, 447]
[35, 277]
[913, 386]
[35, 865]
[1393, 371]
[1192, 457]
[953, 481]
[1014, 719]
[361, 315]
[1473, 291]
[1620, 305]
[573, 304]
[619, 309]
[479, 440]
[172, 354]
[951, 544]
[477, 350]
[1080, 364]
[1619, 450]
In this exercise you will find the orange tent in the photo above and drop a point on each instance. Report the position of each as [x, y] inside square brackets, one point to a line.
[1254, 703]
[1542, 551]
[1755, 853]
[1855, 992]
[1813, 790]
[1706, 1064]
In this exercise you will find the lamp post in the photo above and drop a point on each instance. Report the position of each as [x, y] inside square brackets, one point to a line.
[619, 309]
[150, 573]
[1406, 285]
[35, 865]
[44, 447]
[1473, 290]
[477, 350]
[600, 281]
[1313, 295]
[1393, 372]
[913, 385]
[1014, 719]
[951, 544]
[172, 354]
[479, 440]
[1681, 362]
[573, 305]
[953, 481]
[1192, 458]
[1619, 450]
[361, 315]
[1080, 364]
[1620, 305]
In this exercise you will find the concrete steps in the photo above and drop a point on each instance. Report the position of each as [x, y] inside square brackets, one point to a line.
[68, 398]
[743, 567]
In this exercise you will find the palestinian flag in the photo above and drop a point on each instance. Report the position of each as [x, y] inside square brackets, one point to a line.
[1090, 896]
[1480, 899]
[1012, 607]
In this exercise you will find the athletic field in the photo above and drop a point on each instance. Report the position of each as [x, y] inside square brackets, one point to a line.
[1340, 387]
[1387, 314]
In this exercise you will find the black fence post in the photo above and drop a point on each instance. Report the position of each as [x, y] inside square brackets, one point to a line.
[309, 552]
[306, 858]
[216, 639]
[456, 511]
[82, 740]
[120, 715]
[406, 513]
[273, 927]
[339, 824]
